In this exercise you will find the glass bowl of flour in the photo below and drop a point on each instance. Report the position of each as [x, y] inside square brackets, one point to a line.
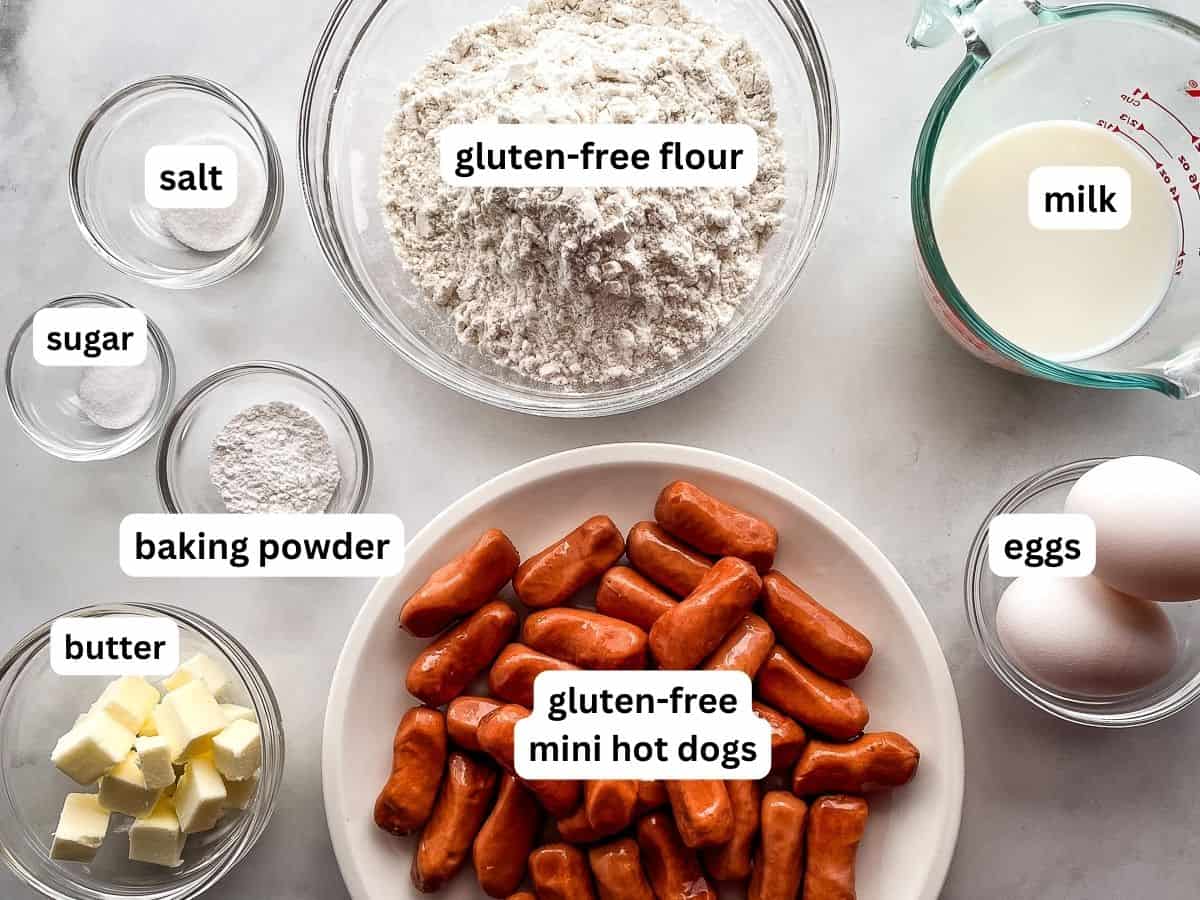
[264, 437]
[550, 301]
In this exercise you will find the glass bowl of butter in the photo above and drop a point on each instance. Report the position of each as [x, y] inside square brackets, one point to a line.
[131, 786]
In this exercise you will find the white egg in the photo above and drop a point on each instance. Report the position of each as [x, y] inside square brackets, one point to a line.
[1080, 636]
[1147, 515]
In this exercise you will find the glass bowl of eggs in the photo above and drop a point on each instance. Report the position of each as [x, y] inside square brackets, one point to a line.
[1118, 648]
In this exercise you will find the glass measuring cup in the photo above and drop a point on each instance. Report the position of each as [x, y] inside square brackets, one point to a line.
[1132, 70]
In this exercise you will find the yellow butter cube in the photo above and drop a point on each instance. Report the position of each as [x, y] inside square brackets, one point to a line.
[199, 667]
[157, 838]
[81, 829]
[129, 700]
[237, 750]
[186, 717]
[200, 796]
[154, 759]
[124, 789]
[94, 745]
[238, 794]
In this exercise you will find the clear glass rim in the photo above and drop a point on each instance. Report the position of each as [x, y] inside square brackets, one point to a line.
[321, 90]
[158, 344]
[253, 822]
[233, 260]
[922, 213]
[362, 486]
[997, 660]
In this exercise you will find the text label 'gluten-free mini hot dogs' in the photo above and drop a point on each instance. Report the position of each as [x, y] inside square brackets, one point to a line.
[642, 725]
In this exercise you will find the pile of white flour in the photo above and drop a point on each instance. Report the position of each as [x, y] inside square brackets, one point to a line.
[578, 286]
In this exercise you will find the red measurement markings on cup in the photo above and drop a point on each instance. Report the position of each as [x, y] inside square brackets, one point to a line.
[1193, 89]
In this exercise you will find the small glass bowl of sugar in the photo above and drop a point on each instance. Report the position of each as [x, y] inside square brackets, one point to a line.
[110, 188]
[84, 413]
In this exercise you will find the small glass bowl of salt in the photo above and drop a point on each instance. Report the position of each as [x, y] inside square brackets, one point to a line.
[173, 248]
[90, 412]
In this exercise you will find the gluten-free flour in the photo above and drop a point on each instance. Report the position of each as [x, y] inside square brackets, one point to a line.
[579, 286]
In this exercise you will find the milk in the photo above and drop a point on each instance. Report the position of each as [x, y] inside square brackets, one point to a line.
[1063, 295]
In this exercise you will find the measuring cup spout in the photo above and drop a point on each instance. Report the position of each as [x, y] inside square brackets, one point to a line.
[984, 25]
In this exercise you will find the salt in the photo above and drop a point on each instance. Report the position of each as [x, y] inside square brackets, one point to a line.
[116, 397]
[216, 230]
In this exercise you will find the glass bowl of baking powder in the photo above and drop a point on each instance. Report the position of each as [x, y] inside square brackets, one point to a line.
[555, 360]
[185, 468]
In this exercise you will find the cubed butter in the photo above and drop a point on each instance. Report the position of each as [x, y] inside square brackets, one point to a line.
[238, 794]
[94, 745]
[124, 789]
[188, 715]
[157, 838]
[233, 712]
[154, 759]
[237, 750]
[129, 700]
[200, 796]
[199, 667]
[149, 727]
[81, 829]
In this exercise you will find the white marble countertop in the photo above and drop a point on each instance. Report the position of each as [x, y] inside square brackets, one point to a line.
[854, 393]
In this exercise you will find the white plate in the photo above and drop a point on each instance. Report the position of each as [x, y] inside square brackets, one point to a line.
[911, 833]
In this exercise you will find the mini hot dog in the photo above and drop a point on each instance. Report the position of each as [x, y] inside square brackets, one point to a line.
[610, 805]
[552, 576]
[626, 595]
[835, 827]
[821, 703]
[461, 586]
[418, 760]
[585, 639]
[715, 527]
[787, 737]
[502, 847]
[463, 716]
[703, 813]
[874, 762]
[511, 676]
[462, 804]
[444, 669]
[496, 734]
[651, 795]
[672, 869]
[683, 637]
[673, 566]
[560, 872]
[617, 868]
[745, 648]
[779, 862]
[812, 632]
[732, 860]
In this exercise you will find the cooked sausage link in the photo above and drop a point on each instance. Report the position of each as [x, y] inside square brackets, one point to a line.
[813, 633]
[779, 862]
[835, 828]
[683, 637]
[651, 795]
[874, 762]
[626, 595]
[610, 804]
[418, 760]
[497, 734]
[552, 576]
[444, 669]
[462, 804]
[670, 564]
[715, 527]
[672, 868]
[787, 737]
[560, 872]
[461, 586]
[617, 868]
[503, 845]
[731, 861]
[821, 703]
[512, 674]
[744, 649]
[703, 813]
[586, 639]
[463, 716]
